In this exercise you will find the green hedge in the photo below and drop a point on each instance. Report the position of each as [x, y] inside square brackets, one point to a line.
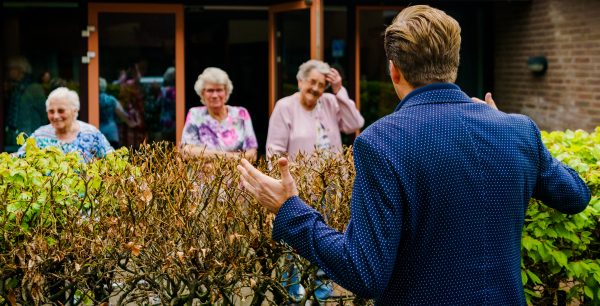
[560, 252]
[149, 223]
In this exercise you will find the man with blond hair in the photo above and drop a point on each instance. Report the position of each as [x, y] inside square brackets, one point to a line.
[441, 189]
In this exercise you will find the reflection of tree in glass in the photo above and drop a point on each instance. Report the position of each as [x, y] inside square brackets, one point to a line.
[377, 99]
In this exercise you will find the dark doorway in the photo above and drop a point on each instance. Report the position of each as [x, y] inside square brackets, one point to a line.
[237, 42]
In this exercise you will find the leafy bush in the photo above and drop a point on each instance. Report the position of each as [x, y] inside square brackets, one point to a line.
[149, 223]
[561, 253]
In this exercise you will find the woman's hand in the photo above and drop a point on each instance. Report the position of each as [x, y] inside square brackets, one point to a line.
[335, 79]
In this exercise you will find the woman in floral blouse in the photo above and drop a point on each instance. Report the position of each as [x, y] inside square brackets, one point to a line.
[216, 129]
[65, 131]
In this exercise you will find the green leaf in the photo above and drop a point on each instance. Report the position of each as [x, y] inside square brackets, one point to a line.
[560, 258]
[588, 292]
[12, 282]
[21, 139]
[536, 280]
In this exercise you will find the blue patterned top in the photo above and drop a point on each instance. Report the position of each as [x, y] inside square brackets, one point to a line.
[90, 143]
[438, 204]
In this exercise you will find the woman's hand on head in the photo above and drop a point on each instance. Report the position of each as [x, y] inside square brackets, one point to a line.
[335, 79]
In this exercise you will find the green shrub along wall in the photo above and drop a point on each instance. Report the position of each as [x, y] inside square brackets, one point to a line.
[150, 224]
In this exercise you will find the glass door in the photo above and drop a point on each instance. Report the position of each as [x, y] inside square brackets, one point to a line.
[135, 76]
[34, 60]
[375, 94]
[295, 36]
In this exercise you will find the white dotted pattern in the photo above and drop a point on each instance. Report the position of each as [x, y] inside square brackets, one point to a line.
[438, 204]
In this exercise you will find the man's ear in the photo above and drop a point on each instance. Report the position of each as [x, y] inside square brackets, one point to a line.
[395, 73]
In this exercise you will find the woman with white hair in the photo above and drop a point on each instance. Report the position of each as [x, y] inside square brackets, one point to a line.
[217, 129]
[65, 131]
[312, 119]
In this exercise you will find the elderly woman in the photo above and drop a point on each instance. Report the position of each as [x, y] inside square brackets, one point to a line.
[216, 129]
[311, 118]
[65, 131]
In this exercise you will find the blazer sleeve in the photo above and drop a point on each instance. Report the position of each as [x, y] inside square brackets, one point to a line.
[557, 185]
[362, 258]
[349, 118]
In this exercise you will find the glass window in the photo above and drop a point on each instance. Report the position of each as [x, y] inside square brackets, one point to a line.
[293, 48]
[377, 95]
[237, 42]
[36, 58]
[137, 59]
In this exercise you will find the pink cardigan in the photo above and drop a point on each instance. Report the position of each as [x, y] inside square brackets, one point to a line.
[292, 127]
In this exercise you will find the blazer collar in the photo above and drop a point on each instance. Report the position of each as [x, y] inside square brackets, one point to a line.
[434, 93]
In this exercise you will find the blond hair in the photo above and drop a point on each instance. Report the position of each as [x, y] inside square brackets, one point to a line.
[424, 44]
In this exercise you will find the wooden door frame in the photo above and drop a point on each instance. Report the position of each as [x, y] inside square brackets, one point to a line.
[93, 45]
[316, 38]
[357, 44]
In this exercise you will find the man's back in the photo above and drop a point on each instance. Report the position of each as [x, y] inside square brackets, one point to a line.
[464, 173]
[441, 186]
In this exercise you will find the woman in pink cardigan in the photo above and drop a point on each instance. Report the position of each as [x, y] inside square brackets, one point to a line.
[312, 119]
[306, 121]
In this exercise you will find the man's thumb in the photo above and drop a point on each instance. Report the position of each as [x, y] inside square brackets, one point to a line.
[284, 169]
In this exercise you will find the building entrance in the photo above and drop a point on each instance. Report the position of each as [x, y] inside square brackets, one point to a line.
[235, 40]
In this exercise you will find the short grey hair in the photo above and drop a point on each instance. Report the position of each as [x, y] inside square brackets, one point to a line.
[311, 65]
[216, 76]
[63, 93]
[103, 84]
[169, 77]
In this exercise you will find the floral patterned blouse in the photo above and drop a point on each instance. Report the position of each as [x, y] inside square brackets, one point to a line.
[235, 133]
[89, 143]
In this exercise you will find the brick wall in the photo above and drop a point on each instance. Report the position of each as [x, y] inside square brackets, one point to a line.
[567, 96]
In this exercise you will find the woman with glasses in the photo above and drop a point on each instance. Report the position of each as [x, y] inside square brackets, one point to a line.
[311, 119]
[217, 129]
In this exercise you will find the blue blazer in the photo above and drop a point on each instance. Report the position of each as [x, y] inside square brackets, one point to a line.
[438, 204]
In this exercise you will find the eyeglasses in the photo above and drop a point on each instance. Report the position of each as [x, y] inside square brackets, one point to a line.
[320, 85]
[211, 91]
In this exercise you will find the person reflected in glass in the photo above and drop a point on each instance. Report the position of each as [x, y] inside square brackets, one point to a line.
[45, 80]
[109, 107]
[217, 129]
[133, 98]
[25, 110]
[65, 131]
[311, 118]
[167, 104]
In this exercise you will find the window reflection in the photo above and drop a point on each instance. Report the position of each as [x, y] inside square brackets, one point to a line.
[137, 54]
[293, 43]
[377, 95]
[36, 59]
